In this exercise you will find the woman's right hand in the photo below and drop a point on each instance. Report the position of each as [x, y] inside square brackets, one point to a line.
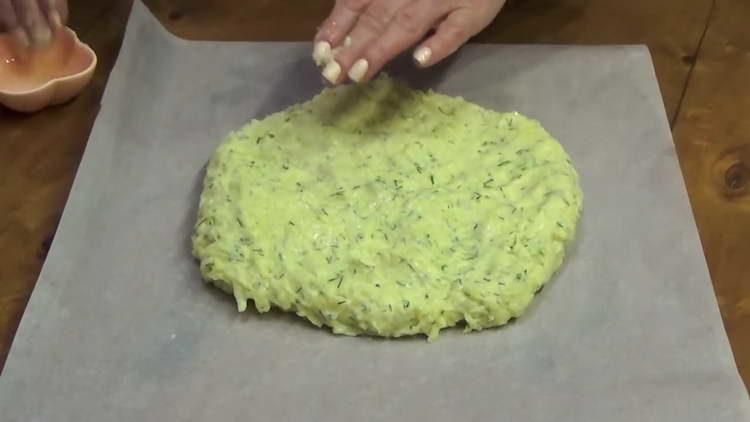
[32, 21]
[361, 36]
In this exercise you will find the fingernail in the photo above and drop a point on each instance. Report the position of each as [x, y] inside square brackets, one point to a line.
[42, 34]
[358, 70]
[321, 53]
[347, 43]
[332, 71]
[21, 38]
[55, 19]
[422, 56]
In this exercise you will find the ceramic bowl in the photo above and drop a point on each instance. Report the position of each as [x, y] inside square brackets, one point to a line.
[41, 76]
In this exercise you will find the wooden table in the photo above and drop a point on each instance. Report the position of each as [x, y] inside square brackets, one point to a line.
[701, 49]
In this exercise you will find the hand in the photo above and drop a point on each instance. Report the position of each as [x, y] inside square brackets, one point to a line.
[32, 21]
[377, 31]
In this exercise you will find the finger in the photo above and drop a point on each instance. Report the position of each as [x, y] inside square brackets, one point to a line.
[371, 24]
[33, 21]
[52, 9]
[336, 27]
[451, 34]
[8, 17]
[9, 22]
[62, 9]
[408, 26]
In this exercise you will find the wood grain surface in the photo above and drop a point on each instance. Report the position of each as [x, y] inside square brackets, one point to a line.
[701, 50]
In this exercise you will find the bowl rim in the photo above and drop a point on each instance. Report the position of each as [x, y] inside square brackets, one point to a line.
[60, 79]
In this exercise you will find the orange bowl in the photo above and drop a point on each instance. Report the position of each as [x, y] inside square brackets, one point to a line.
[34, 78]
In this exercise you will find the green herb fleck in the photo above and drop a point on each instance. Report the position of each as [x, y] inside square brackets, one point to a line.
[447, 113]
[339, 277]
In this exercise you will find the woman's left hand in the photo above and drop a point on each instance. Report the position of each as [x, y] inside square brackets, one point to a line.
[32, 21]
[361, 36]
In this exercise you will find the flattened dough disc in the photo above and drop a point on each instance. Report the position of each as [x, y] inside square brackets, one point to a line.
[382, 210]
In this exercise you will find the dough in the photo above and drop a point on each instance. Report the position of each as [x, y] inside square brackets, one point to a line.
[377, 209]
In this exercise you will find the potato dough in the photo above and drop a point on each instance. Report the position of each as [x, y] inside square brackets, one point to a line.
[377, 209]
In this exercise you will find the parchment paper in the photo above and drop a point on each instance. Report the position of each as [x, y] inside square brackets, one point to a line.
[121, 328]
